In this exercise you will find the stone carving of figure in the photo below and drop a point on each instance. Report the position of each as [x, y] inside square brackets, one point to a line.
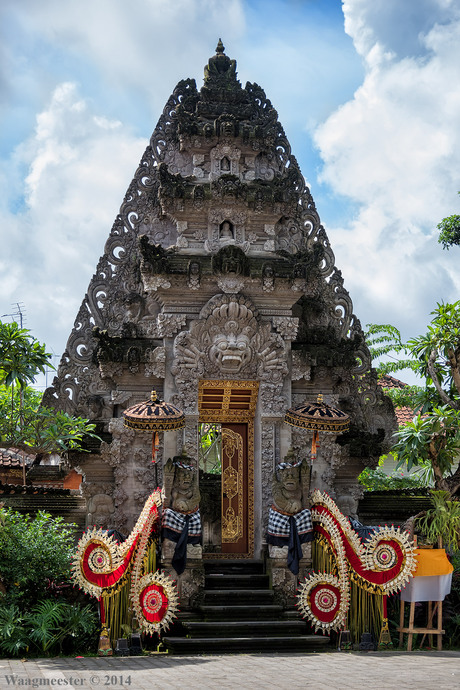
[185, 494]
[225, 165]
[230, 350]
[97, 408]
[194, 275]
[291, 485]
[289, 522]
[181, 522]
[268, 278]
[100, 511]
[226, 231]
[134, 304]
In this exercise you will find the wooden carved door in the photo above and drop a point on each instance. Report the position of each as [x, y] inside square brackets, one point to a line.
[234, 488]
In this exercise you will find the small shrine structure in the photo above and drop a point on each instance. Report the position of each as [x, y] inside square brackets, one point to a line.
[218, 289]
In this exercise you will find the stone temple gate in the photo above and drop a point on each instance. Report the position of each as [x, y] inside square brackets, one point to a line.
[218, 289]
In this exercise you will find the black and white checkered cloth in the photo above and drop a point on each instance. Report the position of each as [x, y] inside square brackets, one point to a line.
[278, 524]
[175, 521]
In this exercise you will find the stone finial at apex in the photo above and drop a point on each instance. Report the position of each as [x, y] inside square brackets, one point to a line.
[220, 65]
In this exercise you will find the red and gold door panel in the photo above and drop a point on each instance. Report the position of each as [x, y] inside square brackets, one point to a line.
[234, 488]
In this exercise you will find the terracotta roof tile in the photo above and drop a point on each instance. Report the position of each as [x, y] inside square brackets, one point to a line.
[13, 457]
[387, 381]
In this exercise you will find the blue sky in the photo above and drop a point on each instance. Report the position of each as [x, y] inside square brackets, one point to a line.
[368, 93]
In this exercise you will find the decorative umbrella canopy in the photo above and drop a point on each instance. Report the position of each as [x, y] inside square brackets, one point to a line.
[154, 415]
[317, 417]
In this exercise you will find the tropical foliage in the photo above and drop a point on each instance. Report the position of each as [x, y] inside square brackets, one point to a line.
[48, 628]
[442, 521]
[449, 231]
[35, 552]
[434, 434]
[35, 564]
[24, 422]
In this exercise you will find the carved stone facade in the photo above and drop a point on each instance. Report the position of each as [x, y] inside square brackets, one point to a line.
[217, 267]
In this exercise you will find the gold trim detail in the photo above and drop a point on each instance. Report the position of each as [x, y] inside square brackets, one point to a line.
[232, 485]
[232, 529]
[227, 401]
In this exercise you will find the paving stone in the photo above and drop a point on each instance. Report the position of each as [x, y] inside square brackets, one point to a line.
[327, 671]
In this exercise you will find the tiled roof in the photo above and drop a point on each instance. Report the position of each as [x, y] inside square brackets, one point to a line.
[403, 414]
[13, 457]
[387, 381]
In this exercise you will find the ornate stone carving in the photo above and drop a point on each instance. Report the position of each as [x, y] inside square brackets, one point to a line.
[229, 339]
[268, 278]
[194, 275]
[287, 326]
[218, 156]
[231, 284]
[155, 366]
[100, 511]
[224, 160]
[299, 369]
[291, 486]
[169, 324]
[273, 403]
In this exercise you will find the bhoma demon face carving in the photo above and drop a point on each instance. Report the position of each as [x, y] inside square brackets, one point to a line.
[230, 351]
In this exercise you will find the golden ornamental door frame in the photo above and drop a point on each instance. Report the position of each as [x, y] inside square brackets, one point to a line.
[233, 402]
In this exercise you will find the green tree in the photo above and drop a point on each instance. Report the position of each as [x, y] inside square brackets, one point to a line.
[434, 434]
[24, 422]
[449, 231]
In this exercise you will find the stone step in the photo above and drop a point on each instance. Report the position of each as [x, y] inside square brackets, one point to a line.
[246, 581]
[219, 645]
[237, 566]
[249, 628]
[230, 597]
[246, 612]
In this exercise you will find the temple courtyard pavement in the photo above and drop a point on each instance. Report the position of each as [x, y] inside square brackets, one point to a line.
[322, 671]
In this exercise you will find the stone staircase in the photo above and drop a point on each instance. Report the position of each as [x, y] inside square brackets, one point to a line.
[238, 615]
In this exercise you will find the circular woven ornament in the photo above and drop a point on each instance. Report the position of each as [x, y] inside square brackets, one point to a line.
[155, 601]
[323, 600]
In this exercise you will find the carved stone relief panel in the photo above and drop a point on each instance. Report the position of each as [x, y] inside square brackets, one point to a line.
[179, 161]
[156, 361]
[300, 369]
[289, 236]
[265, 167]
[268, 443]
[225, 160]
[159, 230]
[217, 238]
[228, 340]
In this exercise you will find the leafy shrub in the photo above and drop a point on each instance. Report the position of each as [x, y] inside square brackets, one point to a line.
[50, 627]
[34, 551]
[377, 480]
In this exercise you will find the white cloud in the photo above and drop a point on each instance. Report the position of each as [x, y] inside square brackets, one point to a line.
[394, 150]
[79, 166]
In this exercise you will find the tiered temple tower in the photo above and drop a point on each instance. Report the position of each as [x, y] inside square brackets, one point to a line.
[218, 289]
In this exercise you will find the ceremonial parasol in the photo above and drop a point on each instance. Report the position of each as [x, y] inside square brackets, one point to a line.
[317, 417]
[154, 415]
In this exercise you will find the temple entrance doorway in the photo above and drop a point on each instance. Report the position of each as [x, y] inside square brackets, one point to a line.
[226, 467]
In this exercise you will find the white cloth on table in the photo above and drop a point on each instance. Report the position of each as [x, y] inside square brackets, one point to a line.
[427, 588]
